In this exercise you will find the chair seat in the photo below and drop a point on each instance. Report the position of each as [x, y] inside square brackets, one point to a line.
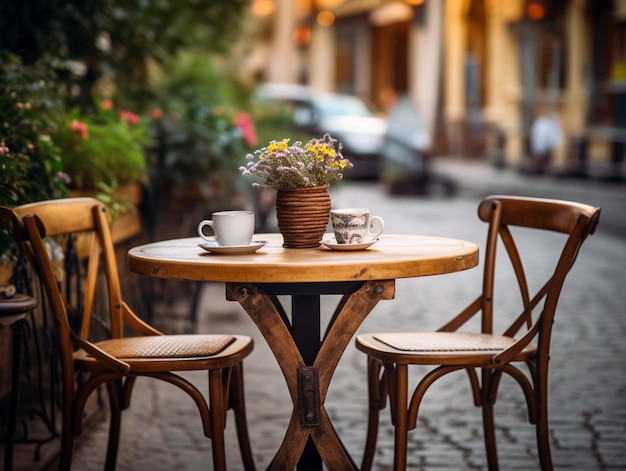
[15, 308]
[170, 352]
[437, 348]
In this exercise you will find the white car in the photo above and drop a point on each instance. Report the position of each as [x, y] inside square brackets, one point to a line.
[346, 118]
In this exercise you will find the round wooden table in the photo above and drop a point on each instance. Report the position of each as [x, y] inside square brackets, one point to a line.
[307, 358]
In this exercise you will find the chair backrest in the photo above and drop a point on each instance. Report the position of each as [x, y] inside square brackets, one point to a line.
[74, 223]
[575, 220]
[83, 227]
[7, 219]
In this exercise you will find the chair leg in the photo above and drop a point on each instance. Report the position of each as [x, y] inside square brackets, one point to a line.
[115, 392]
[67, 448]
[67, 433]
[490, 436]
[376, 393]
[18, 332]
[488, 394]
[542, 428]
[237, 403]
[400, 395]
[217, 413]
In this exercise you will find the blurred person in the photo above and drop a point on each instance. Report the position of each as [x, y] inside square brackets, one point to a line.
[406, 147]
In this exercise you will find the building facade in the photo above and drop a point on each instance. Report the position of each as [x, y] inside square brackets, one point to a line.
[530, 83]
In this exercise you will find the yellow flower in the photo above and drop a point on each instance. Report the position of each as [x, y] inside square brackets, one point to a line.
[278, 146]
[282, 166]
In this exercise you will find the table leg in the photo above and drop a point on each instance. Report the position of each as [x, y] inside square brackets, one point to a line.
[259, 301]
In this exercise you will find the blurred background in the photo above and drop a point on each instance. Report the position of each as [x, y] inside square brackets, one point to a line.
[534, 85]
[152, 107]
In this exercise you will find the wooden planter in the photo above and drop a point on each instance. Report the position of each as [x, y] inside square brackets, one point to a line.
[302, 215]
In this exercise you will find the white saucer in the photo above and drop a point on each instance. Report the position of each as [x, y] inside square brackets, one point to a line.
[331, 243]
[214, 247]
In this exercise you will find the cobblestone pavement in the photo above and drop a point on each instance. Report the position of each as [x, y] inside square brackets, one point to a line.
[161, 431]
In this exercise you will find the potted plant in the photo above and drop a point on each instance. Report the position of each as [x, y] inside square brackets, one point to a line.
[197, 151]
[104, 156]
[301, 174]
[105, 147]
[201, 135]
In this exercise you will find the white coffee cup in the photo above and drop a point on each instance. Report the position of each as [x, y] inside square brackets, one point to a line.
[229, 228]
[355, 225]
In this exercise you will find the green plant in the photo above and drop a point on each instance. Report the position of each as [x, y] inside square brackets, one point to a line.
[30, 166]
[116, 40]
[202, 147]
[116, 203]
[283, 166]
[201, 136]
[275, 119]
[106, 147]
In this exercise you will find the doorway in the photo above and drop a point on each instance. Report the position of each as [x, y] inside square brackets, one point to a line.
[390, 56]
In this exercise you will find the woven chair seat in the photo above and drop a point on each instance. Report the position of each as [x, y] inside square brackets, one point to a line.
[444, 341]
[167, 346]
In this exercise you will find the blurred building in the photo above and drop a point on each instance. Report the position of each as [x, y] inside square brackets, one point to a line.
[525, 82]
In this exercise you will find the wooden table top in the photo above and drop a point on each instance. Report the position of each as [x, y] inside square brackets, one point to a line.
[393, 256]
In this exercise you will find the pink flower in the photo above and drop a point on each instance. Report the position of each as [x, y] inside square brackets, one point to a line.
[129, 117]
[245, 124]
[80, 128]
[3, 148]
[157, 113]
[64, 177]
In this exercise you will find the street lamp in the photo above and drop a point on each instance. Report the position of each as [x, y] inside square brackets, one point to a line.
[262, 7]
[302, 34]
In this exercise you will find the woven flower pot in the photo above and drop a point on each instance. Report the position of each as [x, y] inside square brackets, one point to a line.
[302, 215]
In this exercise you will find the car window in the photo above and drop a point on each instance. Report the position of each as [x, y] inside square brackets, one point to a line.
[342, 106]
[303, 115]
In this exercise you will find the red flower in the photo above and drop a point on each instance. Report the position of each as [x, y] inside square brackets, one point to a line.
[129, 116]
[245, 124]
[106, 104]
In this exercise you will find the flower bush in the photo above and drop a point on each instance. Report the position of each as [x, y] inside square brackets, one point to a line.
[283, 166]
[30, 165]
[103, 148]
[201, 147]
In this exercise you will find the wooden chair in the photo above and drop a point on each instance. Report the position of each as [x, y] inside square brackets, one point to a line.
[13, 311]
[118, 360]
[390, 354]
[14, 307]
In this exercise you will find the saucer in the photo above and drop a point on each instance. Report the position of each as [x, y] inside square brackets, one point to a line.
[214, 247]
[332, 244]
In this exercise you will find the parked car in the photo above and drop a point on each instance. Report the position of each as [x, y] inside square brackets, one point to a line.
[347, 118]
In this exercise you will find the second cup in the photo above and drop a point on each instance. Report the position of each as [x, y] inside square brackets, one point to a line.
[355, 225]
[230, 228]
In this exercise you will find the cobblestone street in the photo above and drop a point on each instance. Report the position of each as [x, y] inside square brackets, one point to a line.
[587, 409]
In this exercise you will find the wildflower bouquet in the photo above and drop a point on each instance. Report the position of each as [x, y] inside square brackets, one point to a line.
[283, 166]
